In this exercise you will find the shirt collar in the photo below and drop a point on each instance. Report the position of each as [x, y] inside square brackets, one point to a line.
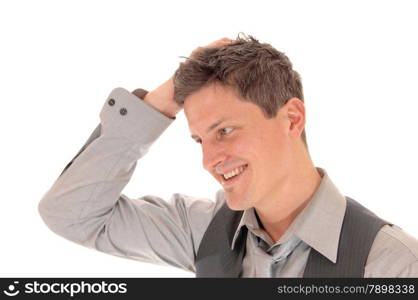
[318, 224]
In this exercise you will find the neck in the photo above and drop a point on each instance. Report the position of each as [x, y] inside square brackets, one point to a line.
[278, 213]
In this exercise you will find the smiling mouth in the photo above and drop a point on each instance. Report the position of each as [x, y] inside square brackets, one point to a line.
[233, 175]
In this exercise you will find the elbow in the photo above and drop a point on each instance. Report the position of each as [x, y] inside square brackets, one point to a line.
[42, 211]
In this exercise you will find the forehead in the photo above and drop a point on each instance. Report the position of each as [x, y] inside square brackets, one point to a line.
[214, 102]
[213, 97]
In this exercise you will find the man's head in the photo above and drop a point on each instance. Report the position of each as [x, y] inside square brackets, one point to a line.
[256, 71]
[244, 104]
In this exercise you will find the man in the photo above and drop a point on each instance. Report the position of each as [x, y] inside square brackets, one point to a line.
[276, 216]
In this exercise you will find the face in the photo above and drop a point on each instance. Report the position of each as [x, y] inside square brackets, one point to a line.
[248, 154]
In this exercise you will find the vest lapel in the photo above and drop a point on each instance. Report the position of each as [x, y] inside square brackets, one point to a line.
[358, 232]
[215, 257]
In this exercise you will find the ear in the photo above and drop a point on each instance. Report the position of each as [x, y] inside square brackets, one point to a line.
[294, 111]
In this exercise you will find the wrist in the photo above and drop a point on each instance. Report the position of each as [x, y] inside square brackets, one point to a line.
[162, 103]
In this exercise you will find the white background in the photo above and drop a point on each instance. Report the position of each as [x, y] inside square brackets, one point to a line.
[59, 60]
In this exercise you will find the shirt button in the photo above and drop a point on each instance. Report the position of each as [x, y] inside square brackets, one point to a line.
[111, 102]
[123, 111]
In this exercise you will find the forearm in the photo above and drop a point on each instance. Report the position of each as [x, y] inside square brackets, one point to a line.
[86, 192]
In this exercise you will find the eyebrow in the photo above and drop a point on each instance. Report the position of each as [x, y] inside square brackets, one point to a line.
[211, 127]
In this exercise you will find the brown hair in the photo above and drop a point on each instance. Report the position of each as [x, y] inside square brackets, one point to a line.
[256, 71]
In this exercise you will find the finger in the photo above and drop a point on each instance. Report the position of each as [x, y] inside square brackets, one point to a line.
[220, 42]
[217, 43]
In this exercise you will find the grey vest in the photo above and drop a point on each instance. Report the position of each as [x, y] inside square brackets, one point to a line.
[360, 226]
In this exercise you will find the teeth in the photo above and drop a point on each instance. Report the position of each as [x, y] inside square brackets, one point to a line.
[233, 172]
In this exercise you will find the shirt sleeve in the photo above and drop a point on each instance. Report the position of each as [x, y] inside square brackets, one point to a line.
[86, 204]
[394, 253]
[411, 271]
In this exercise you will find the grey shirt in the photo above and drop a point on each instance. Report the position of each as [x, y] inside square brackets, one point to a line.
[86, 205]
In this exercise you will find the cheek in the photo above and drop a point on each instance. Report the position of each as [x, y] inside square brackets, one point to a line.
[270, 156]
[247, 148]
[262, 151]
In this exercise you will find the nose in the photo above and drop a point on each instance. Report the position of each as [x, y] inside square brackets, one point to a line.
[213, 154]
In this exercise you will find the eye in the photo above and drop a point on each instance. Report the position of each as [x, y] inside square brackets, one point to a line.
[225, 130]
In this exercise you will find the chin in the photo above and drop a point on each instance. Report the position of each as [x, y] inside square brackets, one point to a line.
[235, 202]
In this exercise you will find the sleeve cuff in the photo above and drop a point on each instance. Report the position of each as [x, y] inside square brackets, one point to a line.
[125, 114]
